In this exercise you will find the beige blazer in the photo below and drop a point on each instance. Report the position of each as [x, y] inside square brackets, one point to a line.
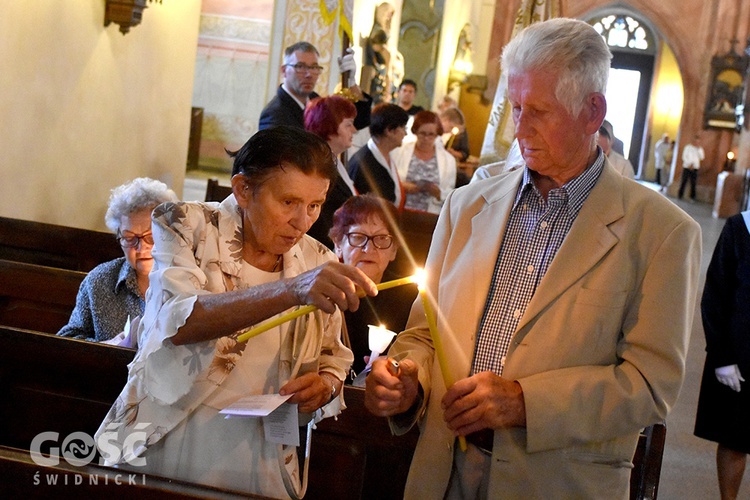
[599, 353]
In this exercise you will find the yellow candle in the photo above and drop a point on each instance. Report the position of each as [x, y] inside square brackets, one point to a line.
[248, 333]
[454, 133]
[437, 341]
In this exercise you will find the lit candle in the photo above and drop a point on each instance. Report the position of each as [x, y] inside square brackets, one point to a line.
[248, 333]
[378, 338]
[454, 133]
[437, 342]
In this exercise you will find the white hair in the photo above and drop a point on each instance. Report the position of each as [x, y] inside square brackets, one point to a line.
[139, 194]
[569, 46]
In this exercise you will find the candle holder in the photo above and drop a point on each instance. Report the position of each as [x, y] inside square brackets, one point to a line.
[378, 340]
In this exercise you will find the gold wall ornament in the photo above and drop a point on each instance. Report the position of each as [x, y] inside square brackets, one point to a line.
[125, 13]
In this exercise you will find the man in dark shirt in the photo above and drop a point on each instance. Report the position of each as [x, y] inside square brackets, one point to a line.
[301, 71]
[407, 92]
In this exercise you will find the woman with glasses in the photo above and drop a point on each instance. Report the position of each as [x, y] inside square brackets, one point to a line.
[364, 235]
[115, 290]
[221, 268]
[427, 170]
[332, 119]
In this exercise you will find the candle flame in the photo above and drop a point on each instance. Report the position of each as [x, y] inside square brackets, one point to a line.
[420, 278]
[454, 130]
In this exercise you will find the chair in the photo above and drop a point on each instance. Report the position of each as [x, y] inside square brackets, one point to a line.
[215, 191]
[644, 479]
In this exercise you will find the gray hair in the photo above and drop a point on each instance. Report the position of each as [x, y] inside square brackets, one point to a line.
[299, 47]
[139, 194]
[569, 46]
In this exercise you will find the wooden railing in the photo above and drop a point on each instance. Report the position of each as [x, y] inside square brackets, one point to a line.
[55, 246]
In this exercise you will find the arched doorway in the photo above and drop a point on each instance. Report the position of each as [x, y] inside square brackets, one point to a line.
[633, 46]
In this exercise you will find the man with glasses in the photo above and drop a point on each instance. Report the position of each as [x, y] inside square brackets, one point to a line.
[301, 71]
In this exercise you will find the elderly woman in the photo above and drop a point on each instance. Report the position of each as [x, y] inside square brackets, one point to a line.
[427, 170]
[364, 232]
[332, 119]
[115, 290]
[220, 268]
[371, 167]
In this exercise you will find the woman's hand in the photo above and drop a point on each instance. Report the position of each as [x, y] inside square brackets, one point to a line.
[311, 391]
[410, 187]
[330, 285]
[430, 188]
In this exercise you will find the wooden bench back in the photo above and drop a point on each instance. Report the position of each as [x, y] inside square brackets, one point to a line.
[414, 241]
[55, 246]
[216, 191]
[36, 297]
[50, 383]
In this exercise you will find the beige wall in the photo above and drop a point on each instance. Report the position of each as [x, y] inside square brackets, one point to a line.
[86, 108]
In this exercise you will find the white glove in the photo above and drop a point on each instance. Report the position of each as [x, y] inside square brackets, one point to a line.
[730, 376]
[347, 63]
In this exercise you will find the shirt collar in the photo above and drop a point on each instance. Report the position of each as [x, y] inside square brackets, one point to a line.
[127, 278]
[301, 104]
[576, 189]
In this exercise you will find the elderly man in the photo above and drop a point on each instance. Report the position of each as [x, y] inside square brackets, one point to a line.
[565, 295]
[301, 71]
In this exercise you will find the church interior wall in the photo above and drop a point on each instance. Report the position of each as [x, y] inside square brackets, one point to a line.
[86, 108]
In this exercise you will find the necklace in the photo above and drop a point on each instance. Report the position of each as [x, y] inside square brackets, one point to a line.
[277, 264]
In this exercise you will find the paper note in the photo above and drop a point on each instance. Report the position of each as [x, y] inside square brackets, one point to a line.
[255, 406]
[282, 425]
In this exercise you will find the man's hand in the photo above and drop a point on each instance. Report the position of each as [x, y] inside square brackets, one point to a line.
[347, 63]
[483, 401]
[730, 376]
[388, 394]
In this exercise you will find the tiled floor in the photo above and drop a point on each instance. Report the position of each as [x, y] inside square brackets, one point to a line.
[688, 470]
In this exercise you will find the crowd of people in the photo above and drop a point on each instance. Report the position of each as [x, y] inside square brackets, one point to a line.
[550, 280]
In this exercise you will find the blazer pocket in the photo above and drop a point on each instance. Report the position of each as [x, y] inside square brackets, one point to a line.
[601, 298]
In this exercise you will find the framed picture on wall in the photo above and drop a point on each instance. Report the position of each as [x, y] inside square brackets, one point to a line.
[726, 90]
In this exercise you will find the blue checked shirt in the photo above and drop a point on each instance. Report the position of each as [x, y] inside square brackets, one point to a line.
[536, 229]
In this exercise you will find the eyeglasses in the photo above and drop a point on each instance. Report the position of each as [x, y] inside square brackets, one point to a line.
[302, 68]
[135, 240]
[359, 240]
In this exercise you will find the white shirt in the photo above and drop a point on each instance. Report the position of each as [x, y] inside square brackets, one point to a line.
[692, 156]
[389, 166]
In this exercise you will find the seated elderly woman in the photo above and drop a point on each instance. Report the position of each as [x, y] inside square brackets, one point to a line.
[364, 234]
[426, 169]
[220, 268]
[332, 119]
[115, 290]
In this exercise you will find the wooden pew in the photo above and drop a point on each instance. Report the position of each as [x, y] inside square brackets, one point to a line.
[36, 297]
[216, 191]
[55, 246]
[30, 480]
[50, 383]
[414, 241]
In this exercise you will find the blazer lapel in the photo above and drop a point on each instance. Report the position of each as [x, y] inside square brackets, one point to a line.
[487, 230]
[587, 243]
